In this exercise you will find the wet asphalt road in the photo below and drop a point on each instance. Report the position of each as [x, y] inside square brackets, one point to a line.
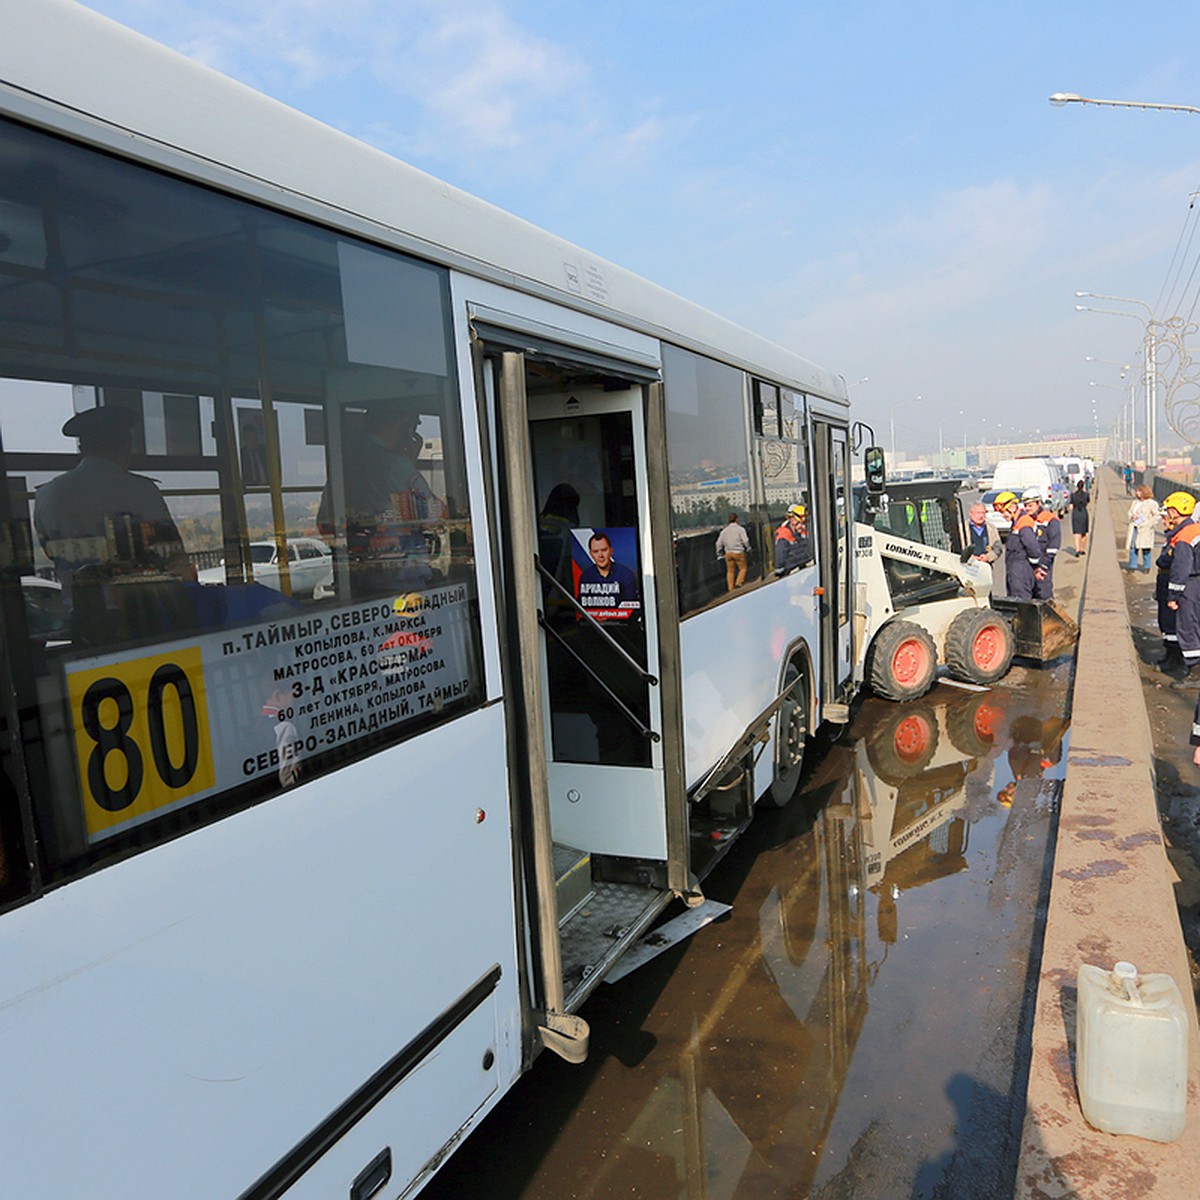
[857, 1025]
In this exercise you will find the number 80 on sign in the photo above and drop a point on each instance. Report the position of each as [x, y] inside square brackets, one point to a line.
[141, 737]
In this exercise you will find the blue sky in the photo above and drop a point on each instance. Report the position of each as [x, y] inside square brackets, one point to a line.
[879, 185]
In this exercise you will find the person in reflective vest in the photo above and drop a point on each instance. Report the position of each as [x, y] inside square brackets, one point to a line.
[1023, 553]
[1166, 615]
[1049, 532]
[792, 546]
[1183, 582]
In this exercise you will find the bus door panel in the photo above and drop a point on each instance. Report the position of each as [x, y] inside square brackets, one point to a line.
[831, 484]
[600, 639]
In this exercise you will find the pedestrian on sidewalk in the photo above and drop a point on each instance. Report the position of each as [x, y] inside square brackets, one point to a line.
[1144, 519]
[1127, 474]
[1078, 508]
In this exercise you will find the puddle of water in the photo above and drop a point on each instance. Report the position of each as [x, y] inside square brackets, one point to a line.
[852, 1029]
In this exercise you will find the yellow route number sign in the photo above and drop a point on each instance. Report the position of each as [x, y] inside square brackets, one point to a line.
[141, 737]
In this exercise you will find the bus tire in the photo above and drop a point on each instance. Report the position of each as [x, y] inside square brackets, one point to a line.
[903, 744]
[979, 646]
[791, 737]
[903, 661]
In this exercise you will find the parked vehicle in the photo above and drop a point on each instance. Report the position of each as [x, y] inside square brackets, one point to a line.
[1076, 468]
[1017, 474]
[310, 567]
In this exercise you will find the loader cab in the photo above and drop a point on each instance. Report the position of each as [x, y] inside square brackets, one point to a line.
[928, 512]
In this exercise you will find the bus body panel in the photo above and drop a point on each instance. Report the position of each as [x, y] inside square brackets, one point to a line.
[733, 658]
[206, 1003]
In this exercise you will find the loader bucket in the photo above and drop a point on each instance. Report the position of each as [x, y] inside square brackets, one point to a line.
[1041, 629]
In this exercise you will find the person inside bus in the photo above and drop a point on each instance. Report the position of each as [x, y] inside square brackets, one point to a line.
[793, 548]
[99, 522]
[389, 503]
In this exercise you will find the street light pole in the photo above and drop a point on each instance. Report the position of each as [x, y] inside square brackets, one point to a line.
[1059, 99]
[892, 423]
[1150, 342]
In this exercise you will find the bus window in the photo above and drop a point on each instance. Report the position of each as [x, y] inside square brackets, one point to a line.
[710, 468]
[781, 447]
[241, 542]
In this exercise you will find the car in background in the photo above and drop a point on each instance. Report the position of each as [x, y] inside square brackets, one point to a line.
[47, 613]
[1018, 474]
[1075, 468]
[309, 563]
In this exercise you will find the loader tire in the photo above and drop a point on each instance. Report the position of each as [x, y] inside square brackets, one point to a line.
[903, 744]
[903, 661]
[979, 646]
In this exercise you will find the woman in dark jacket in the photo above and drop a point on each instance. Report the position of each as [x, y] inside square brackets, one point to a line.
[1078, 508]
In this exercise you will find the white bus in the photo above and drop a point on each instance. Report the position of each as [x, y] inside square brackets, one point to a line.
[300, 870]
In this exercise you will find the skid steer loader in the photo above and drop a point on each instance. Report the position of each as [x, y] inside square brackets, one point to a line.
[923, 602]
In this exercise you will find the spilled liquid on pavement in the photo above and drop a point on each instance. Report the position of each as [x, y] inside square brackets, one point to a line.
[856, 1026]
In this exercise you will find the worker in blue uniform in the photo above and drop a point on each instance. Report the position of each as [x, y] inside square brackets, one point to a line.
[1049, 532]
[1183, 582]
[1023, 553]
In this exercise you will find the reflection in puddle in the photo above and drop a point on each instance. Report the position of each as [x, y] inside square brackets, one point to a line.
[851, 1028]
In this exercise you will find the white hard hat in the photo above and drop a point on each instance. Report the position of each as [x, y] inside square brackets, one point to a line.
[1031, 494]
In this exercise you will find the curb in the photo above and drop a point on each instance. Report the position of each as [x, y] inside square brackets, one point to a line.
[1111, 898]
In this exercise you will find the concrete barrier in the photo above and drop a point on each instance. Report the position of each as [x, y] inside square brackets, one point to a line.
[1111, 898]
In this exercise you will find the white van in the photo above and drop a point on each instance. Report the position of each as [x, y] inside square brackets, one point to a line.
[1076, 468]
[1017, 474]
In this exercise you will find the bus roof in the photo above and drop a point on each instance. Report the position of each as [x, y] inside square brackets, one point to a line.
[205, 125]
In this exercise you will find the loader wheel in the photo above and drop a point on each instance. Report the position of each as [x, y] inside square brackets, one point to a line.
[979, 646]
[903, 744]
[903, 661]
[791, 735]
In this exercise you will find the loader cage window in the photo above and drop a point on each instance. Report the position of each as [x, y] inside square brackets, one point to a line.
[929, 520]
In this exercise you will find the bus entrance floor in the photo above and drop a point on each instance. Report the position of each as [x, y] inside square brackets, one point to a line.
[858, 1024]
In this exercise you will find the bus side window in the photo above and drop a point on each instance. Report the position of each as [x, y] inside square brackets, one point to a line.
[202, 566]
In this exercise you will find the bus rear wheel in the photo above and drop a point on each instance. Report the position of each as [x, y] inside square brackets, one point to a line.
[791, 737]
[903, 661]
[979, 646]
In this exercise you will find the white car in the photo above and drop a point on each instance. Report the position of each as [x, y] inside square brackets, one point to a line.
[310, 566]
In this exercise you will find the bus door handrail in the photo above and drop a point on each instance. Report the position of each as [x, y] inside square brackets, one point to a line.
[641, 671]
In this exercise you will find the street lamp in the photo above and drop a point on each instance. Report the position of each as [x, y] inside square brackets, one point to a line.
[1059, 99]
[1128, 411]
[1151, 360]
[892, 423]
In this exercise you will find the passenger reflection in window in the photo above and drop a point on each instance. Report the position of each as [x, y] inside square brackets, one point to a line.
[107, 530]
[390, 506]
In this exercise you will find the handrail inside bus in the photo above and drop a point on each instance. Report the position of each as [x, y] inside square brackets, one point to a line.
[652, 680]
[631, 716]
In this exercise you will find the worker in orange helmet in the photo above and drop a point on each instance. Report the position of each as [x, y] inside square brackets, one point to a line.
[793, 548]
[1023, 552]
[1181, 558]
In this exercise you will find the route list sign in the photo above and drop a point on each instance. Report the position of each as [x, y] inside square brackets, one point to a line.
[193, 718]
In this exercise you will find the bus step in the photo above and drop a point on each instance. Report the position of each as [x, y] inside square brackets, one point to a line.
[669, 934]
[572, 880]
[837, 714]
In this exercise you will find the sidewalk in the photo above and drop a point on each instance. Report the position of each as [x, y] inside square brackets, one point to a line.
[1111, 898]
